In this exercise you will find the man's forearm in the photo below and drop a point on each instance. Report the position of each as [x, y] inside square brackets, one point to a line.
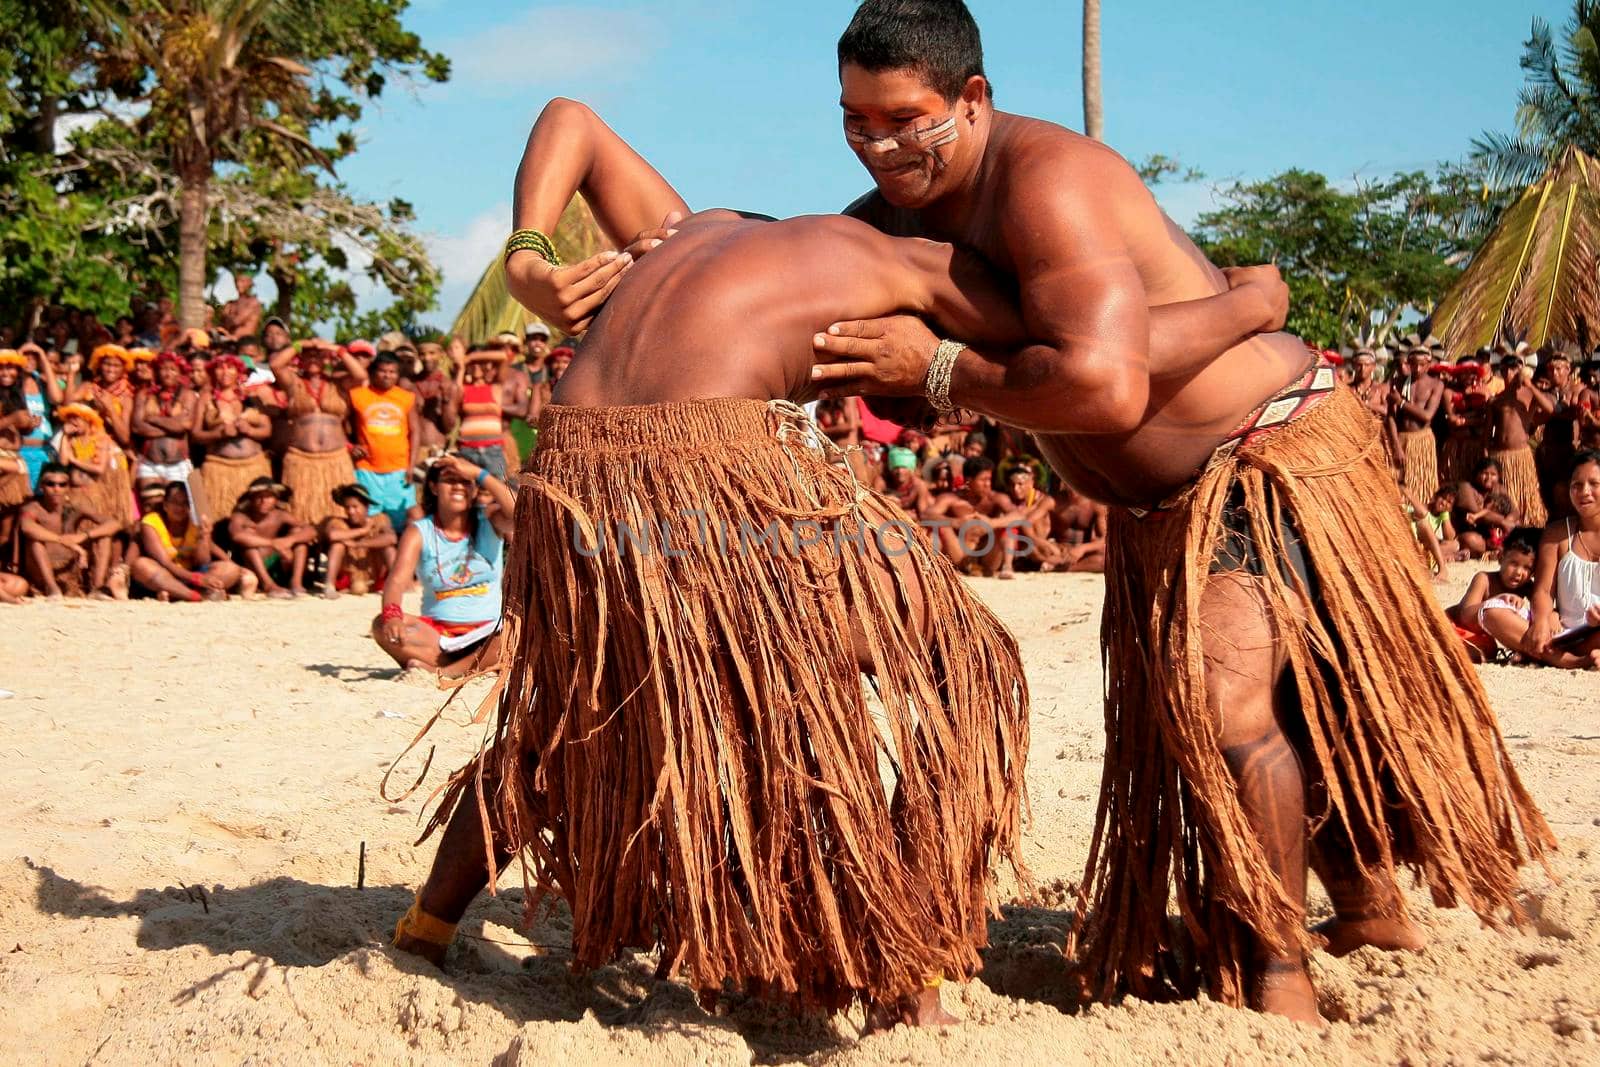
[1186, 337]
[1042, 389]
[571, 150]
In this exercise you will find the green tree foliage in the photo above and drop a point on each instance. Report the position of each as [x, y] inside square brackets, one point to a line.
[1558, 106]
[220, 124]
[1356, 258]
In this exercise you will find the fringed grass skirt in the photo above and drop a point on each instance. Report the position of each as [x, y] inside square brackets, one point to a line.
[14, 488]
[1519, 474]
[1395, 720]
[1420, 459]
[312, 477]
[223, 480]
[109, 496]
[1457, 457]
[683, 747]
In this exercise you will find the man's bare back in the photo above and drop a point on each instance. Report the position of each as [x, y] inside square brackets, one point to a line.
[729, 306]
[1189, 409]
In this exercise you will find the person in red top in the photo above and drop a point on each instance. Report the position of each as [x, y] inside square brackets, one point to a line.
[389, 438]
[478, 407]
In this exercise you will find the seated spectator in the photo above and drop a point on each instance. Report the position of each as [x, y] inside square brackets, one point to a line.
[101, 483]
[1496, 603]
[1422, 528]
[66, 550]
[1438, 519]
[1483, 513]
[1078, 526]
[1036, 505]
[360, 538]
[1565, 627]
[901, 482]
[456, 550]
[177, 560]
[269, 541]
[979, 524]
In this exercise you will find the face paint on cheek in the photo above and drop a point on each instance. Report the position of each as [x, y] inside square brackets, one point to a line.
[924, 141]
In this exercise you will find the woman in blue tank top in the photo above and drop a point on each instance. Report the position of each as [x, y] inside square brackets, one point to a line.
[457, 552]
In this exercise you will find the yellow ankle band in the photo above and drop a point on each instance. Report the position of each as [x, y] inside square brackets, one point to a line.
[419, 925]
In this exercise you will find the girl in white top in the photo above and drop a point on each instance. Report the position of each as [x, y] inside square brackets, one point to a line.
[1566, 590]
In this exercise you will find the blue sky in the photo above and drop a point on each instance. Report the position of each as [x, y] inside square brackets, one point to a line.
[736, 102]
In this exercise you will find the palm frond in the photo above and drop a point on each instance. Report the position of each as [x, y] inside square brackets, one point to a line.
[491, 310]
[1538, 274]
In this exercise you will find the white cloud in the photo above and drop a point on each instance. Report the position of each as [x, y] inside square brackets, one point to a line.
[550, 43]
[461, 257]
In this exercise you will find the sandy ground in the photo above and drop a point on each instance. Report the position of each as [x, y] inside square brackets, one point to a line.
[186, 815]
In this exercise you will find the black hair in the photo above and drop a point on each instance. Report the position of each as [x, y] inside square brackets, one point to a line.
[976, 466]
[1586, 456]
[386, 359]
[48, 469]
[247, 339]
[936, 38]
[12, 397]
[1522, 539]
[430, 502]
[1485, 463]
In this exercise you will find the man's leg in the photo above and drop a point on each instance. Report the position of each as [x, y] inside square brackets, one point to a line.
[100, 566]
[1243, 662]
[297, 569]
[42, 570]
[336, 554]
[256, 560]
[459, 873]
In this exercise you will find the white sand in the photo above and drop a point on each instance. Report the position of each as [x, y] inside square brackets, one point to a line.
[236, 750]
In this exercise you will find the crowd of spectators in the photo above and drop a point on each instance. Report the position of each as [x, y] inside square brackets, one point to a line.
[1495, 451]
[141, 459]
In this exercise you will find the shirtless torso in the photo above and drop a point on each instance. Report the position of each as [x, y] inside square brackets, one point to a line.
[1158, 440]
[1514, 413]
[162, 420]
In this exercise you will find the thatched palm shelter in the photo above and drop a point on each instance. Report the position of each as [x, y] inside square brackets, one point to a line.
[490, 309]
[1537, 275]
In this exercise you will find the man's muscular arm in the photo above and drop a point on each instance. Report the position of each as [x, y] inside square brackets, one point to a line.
[572, 151]
[1085, 310]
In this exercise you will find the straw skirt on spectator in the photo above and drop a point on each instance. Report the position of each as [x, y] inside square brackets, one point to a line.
[312, 477]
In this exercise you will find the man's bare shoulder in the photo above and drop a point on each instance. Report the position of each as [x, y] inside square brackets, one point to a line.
[1038, 159]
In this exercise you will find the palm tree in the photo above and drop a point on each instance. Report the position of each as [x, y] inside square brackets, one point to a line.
[1558, 106]
[1094, 108]
[218, 76]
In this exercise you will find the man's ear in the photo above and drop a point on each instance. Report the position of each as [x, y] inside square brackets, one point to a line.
[973, 95]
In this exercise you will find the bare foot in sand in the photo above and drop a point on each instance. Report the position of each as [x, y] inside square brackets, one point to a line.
[1345, 935]
[920, 1009]
[1283, 987]
[429, 951]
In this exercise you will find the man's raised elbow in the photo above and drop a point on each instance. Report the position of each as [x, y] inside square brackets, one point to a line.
[562, 109]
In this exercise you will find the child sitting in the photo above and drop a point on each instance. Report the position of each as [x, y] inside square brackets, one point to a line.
[1496, 605]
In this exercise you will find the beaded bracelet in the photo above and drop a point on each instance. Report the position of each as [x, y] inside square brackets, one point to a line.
[533, 241]
[391, 612]
[941, 371]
